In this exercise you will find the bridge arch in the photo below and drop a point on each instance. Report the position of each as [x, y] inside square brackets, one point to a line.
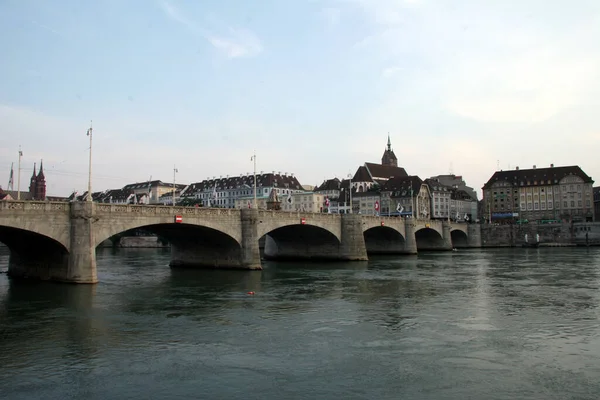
[297, 241]
[429, 239]
[33, 254]
[384, 240]
[191, 244]
[55, 229]
[459, 238]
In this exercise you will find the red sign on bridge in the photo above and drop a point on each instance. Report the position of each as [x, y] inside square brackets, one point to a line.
[178, 219]
[303, 221]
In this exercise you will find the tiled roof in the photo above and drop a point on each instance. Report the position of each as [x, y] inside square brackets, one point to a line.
[385, 171]
[117, 195]
[329, 184]
[537, 176]
[436, 186]
[401, 186]
[362, 175]
[245, 181]
[155, 183]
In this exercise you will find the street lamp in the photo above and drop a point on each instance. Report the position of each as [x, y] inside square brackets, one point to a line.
[174, 171]
[350, 192]
[89, 196]
[19, 175]
[253, 158]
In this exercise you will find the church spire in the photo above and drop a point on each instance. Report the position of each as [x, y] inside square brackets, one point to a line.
[40, 175]
[389, 144]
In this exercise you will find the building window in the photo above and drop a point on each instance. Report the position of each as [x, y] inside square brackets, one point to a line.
[565, 204]
[536, 206]
[549, 205]
[543, 206]
[572, 204]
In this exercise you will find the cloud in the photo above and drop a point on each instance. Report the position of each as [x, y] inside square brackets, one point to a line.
[233, 43]
[239, 43]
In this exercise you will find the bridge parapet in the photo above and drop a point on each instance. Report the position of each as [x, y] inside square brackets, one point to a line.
[20, 205]
[164, 210]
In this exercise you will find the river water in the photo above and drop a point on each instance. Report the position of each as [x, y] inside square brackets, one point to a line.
[472, 324]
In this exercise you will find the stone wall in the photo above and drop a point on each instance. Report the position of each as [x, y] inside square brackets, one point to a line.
[549, 234]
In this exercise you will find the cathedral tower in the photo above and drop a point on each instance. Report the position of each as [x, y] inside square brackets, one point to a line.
[389, 158]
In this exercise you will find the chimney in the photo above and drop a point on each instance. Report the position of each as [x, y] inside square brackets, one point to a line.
[534, 167]
[517, 167]
[551, 165]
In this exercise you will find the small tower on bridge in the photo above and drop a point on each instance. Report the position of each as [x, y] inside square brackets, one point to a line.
[273, 203]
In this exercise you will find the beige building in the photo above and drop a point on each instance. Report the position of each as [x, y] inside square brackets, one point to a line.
[539, 194]
[303, 201]
[408, 197]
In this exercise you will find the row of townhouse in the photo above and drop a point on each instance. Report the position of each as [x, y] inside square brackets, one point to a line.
[407, 196]
[386, 189]
[238, 191]
[150, 192]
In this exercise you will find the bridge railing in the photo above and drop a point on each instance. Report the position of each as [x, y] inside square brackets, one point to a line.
[44, 206]
[296, 214]
[144, 209]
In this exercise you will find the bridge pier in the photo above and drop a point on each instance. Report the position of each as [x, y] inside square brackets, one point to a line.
[474, 235]
[250, 258]
[352, 246]
[82, 257]
[447, 236]
[410, 247]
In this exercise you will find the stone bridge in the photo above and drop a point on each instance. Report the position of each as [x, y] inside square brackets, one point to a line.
[58, 240]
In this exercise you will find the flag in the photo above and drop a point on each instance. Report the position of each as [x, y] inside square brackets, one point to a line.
[289, 198]
[399, 208]
[10, 178]
[20, 153]
[89, 132]
[326, 201]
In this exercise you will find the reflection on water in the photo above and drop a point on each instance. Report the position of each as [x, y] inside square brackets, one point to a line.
[494, 324]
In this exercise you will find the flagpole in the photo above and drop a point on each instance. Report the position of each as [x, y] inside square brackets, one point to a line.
[254, 158]
[19, 175]
[350, 191]
[89, 197]
[174, 170]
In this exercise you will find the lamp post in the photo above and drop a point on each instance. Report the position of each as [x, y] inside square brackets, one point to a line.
[174, 171]
[253, 158]
[19, 175]
[350, 192]
[89, 196]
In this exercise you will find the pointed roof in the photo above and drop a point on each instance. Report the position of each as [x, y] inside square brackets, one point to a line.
[34, 174]
[40, 175]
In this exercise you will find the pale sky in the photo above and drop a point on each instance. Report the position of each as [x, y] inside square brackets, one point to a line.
[314, 86]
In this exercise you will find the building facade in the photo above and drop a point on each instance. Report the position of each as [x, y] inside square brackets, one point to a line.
[440, 199]
[408, 197]
[224, 192]
[539, 194]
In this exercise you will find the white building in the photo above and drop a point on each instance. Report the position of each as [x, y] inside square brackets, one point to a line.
[224, 192]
